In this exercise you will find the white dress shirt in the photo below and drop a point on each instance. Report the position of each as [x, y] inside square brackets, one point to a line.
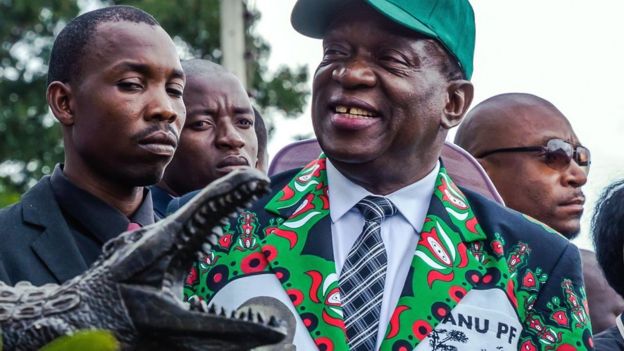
[399, 233]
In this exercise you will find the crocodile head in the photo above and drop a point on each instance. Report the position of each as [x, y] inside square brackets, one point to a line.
[150, 266]
[134, 289]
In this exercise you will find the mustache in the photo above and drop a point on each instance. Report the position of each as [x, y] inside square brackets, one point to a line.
[168, 128]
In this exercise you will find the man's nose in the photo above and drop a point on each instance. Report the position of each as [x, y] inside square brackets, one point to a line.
[163, 107]
[574, 176]
[228, 135]
[354, 73]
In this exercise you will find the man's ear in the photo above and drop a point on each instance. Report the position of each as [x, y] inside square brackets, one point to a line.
[60, 101]
[459, 96]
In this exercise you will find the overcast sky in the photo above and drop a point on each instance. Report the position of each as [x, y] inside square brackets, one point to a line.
[569, 52]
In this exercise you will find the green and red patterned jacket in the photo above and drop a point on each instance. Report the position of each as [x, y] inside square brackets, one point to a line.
[483, 277]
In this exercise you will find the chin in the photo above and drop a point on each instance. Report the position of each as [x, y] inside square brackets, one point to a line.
[349, 154]
[570, 231]
[146, 176]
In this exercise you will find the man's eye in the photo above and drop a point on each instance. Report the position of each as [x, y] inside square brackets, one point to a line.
[201, 125]
[129, 86]
[393, 60]
[245, 122]
[175, 92]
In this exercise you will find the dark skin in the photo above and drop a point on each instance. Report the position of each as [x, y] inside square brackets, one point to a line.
[524, 180]
[381, 107]
[122, 116]
[218, 135]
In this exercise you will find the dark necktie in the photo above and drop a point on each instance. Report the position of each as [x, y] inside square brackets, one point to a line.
[363, 276]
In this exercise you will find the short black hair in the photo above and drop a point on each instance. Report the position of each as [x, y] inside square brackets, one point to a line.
[65, 63]
[261, 132]
[608, 234]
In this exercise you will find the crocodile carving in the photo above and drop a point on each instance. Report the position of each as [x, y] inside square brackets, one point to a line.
[134, 289]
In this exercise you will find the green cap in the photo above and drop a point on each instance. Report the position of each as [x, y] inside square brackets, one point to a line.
[450, 22]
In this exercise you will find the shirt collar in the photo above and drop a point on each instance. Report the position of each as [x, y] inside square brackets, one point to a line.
[99, 218]
[412, 201]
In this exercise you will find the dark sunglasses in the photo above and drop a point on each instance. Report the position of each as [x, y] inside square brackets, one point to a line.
[558, 154]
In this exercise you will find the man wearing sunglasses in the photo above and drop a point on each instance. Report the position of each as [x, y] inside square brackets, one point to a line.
[529, 150]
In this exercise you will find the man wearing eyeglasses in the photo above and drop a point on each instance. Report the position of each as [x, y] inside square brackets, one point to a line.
[531, 153]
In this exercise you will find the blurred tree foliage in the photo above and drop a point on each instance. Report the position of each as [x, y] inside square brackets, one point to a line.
[30, 138]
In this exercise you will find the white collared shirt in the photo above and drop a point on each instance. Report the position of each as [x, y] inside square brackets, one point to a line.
[399, 233]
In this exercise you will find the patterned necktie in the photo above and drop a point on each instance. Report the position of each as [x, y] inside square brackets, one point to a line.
[363, 276]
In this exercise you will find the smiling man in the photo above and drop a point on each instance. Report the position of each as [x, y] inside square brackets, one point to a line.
[372, 245]
[115, 84]
[218, 136]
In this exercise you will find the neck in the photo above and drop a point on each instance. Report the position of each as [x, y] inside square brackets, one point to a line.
[123, 197]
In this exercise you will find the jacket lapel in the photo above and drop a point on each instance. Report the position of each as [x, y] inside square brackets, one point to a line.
[301, 254]
[443, 269]
[55, 246]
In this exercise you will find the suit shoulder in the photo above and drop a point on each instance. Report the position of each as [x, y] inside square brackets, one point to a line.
[278, 182]
[514, 226]
[10, 214]
[21, 219]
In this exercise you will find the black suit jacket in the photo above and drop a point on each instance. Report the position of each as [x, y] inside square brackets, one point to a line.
[36, 242]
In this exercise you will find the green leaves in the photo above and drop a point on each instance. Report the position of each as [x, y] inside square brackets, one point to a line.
[91, 340]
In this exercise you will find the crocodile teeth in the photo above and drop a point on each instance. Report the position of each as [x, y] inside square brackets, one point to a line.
[273, 322]
[201, 220]
[237, 195]
[213, 239]
[224, 221]
[206, 248]
[253, 186]
[212, 309]
[228, 198]
[250, 315]
[242, 315]
[190, 229]
[247, 204]
[204, 210]
[218, 231]
[200, 305]
[223, 313]
[194, 301]
[213, 206]
[259, 318]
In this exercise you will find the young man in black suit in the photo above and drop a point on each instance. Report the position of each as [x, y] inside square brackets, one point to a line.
[115, 84]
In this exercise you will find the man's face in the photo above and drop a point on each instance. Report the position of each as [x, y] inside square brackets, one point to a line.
[526, 182]
[218, 135]
[378, 95]
[127, 104]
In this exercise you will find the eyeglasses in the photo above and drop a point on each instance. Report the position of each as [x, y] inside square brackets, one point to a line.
[558, 154]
